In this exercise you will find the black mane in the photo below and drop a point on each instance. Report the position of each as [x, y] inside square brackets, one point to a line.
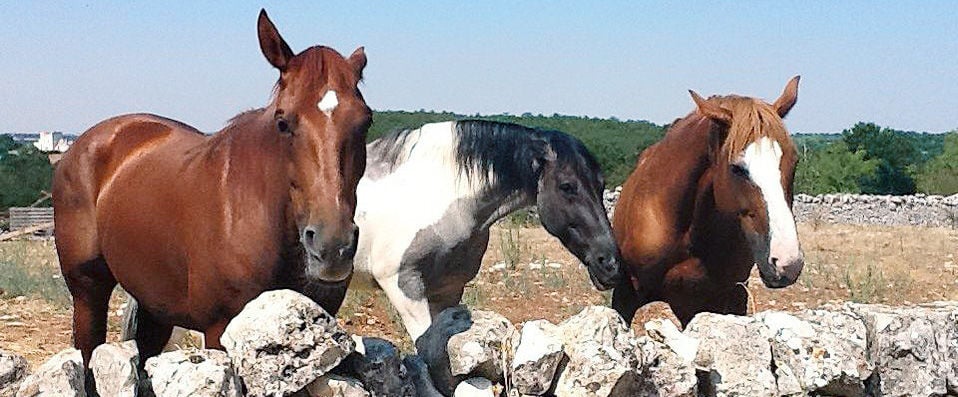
[508, 151]
[504, 151]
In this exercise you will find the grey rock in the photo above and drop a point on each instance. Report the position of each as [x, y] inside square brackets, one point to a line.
[336, 386]
[475, 387]
[668, 356]
[460, 345]
[13, 368]
[913, 349]
[602, 359]
[193, 373]
[537, 357]
[62, 376]
[282, 341]
[114, 366]
[818, 352]
[734, 354]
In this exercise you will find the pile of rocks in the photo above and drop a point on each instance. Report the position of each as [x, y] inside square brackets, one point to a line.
[847, 350]
[914, 210]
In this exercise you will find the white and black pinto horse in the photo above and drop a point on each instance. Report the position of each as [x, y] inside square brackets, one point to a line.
[430, 195]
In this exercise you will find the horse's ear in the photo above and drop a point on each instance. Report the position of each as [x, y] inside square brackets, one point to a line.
[275, 49]
[711, 109]
[540, 155]
[785, 102]
[358, 61]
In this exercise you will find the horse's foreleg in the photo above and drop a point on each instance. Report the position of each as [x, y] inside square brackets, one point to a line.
[626, 300]
[151, 333]
[414, 313]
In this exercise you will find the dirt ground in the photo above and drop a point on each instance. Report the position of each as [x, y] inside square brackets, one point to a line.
[527, 274]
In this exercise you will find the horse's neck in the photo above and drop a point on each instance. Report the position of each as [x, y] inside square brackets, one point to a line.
[683, 161]
[717, 238]
[495, 204]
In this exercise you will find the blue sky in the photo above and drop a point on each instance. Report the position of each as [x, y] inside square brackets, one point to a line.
[66, 66]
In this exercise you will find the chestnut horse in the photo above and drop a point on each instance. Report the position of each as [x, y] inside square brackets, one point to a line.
[196, 226]
[704, 204]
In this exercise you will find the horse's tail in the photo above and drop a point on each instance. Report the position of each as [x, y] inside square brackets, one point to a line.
[129, 318]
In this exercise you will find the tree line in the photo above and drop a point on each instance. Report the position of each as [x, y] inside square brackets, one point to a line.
[865, 158]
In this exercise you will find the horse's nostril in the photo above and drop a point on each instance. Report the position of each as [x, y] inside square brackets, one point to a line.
[773, 261]
[309, 235]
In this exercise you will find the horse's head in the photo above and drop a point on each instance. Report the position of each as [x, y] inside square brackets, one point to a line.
[319, 110]
[753, 165]
[569, 201]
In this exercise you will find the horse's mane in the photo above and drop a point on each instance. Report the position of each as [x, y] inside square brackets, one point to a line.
[486, 150]
[751, 119]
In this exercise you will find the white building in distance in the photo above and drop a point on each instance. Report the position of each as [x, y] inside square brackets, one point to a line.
[52, 142]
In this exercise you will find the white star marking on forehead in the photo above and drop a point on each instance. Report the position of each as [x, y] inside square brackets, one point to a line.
[328, 103]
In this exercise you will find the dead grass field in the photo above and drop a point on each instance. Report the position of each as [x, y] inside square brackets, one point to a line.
[894, 265]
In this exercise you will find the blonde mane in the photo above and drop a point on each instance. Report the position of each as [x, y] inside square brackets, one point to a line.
[751, 119]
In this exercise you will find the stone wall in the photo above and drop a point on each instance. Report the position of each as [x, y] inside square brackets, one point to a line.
[862, 209]
[284, 344]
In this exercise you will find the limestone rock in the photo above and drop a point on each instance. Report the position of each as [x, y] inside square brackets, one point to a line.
[475, 387]
[602, 359]
[667, 357]
[537, 357]
[13, 368]
[818, 352]
[460, 345]
[114, 367]
[336, 386]
[913, 348]
[62, 375]
[194, 373]
[735, 354]
[282, 341]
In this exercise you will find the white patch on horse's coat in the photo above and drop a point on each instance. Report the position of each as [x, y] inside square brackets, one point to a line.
[328, 103]
[762, 159]
[393, 208]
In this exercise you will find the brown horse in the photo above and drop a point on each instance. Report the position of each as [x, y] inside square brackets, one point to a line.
[196, 226]
[704, 204]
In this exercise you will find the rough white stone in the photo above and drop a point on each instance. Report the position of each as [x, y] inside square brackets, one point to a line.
[62, 375]
[602, 355]
[818, 352]
[667, 357]
[193, 373]
[114, 366]
[461, 344]
[336, 386]
[735, 353]
[282, 341]
[914, 349]
[474, 387]
[537, 357]
[13, 368]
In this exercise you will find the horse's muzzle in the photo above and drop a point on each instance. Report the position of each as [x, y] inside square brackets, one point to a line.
[330, 258]
[784, 274]
[605, 272]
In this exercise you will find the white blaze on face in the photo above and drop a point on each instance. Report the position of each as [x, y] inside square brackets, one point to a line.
[328, 103]
[762, 159]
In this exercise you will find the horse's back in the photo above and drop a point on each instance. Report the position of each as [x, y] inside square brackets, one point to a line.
[90, 164]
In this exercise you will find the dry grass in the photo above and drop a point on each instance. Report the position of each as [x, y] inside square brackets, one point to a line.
[894, 265]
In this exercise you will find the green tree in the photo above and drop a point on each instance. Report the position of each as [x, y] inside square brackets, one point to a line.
[897, 153]
[940, 175]
[832, 168]
[24, 173]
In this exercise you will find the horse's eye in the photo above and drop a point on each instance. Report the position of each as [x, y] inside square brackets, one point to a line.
[282, 124]
[739, 170]
[568, 188]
